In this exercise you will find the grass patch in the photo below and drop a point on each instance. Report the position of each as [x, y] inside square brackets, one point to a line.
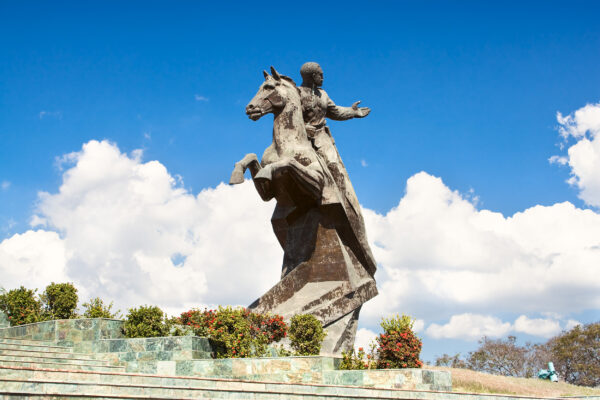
[467, 381]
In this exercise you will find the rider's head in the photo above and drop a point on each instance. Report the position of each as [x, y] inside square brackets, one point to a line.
[312, 74]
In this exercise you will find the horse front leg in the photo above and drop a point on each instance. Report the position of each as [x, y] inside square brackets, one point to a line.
[249, 161]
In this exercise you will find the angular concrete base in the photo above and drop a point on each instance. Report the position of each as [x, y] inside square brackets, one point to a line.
[321, 275]
[340, 334]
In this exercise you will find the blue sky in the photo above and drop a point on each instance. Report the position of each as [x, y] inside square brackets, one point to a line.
[464, 91]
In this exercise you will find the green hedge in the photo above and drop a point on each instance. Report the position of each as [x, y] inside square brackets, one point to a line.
[306, 335]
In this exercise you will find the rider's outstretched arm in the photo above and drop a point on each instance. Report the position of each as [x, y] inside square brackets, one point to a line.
[338, 113]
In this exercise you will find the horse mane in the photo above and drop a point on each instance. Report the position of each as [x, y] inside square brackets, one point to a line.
[287, 78]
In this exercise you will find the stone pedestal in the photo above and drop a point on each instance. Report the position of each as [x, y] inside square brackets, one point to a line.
[321, 275]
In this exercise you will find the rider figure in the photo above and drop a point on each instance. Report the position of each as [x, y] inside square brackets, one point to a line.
[316, 106]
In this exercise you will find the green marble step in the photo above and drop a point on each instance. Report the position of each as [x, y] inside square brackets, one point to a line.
[33, 345]
[4, 359]
[36, 353]
[308, 370]
[62, 365]
[72, 384]
[17, 340]
[222, 389]
[20, 339]
[43, 349]
[40, 396]
[170, 343]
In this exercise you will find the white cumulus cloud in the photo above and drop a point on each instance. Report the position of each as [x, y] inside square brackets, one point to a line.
[571, 324]
[584, 156]
[364, 338]
[470, 326]
[439, 256]
[418, 325]
[32, 259]
[123, 223]
[543, 327]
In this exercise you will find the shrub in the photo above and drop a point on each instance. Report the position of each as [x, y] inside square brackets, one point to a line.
[177, 329]
[95, 308]
[145, 321]
[398, 346]
[397, 323]
[576, 354]
[236, 332]
[306, 335]
[21, 306]
[59, 301]
[357, 360]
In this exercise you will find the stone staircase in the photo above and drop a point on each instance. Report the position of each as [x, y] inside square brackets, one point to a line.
[44, 370]
[40, 383]
[59, 367]
[43, 354]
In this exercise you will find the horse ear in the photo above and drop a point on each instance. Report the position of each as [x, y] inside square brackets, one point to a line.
[266, 74]
[275, 74]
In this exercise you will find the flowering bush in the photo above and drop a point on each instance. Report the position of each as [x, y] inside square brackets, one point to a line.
[357, 360]
[236, 332]
[306, 335]
[21, 306]
[398, 346]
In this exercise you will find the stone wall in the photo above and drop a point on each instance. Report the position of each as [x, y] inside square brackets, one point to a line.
[67, 331]
[4, 323]
[408, 378]
[143, 354]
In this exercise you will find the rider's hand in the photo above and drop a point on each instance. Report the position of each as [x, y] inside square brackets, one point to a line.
[360, 112]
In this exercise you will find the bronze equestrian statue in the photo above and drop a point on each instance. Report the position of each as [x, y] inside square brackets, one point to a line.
[328, 266]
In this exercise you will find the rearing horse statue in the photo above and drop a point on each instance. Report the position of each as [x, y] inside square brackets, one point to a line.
[322, 272]
[291, 153]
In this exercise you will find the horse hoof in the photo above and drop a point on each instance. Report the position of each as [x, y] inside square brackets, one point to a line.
[237, 177]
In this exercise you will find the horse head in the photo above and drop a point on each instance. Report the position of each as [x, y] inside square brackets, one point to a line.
[272, 96]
